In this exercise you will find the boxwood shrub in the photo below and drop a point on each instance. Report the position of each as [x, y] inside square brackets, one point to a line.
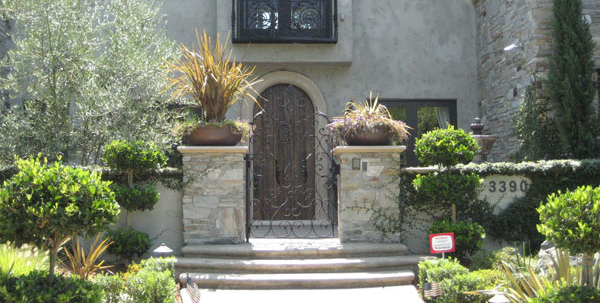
[41, 287]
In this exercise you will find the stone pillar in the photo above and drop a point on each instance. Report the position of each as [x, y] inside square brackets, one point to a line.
[214, 197]
[368, 180]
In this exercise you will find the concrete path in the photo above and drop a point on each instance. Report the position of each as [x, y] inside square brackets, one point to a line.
[395, 294]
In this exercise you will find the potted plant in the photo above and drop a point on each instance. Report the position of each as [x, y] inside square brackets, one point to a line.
[368, 123]
[213, 83]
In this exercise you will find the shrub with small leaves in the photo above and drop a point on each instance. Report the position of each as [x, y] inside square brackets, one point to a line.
[454, 287]
[569, 294]
[112, 287]
[135, 156]
[484, 259]
[136, 198]
[46, 204]
[160, 264]
[446, 147]
[128, 242]
[447, 189]
[437, 270]
[468, 237]
[570, 219]
[42, 287]
[148, 286]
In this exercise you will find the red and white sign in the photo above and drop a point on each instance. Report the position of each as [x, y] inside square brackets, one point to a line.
[441, 243]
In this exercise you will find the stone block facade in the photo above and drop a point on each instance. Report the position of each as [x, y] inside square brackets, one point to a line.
[504, 76]
[368, 180]
[214, 197]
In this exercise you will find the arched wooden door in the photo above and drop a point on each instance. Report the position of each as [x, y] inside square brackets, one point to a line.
[283, 151]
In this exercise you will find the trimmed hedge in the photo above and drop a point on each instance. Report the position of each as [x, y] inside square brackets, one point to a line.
[40, 287]
[170, 177]
[517, 223]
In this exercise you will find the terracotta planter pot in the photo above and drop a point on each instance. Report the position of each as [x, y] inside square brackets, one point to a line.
[211, 135]
[367, 138]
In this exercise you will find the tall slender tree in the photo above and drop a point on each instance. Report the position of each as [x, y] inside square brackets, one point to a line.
[570, 79]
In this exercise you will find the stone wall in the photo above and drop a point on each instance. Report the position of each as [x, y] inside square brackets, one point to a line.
[504, 76]
[368, 181]
[214, 203]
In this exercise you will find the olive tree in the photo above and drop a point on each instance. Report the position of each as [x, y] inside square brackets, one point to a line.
[84, 72]
[45, 205]
[570, 220]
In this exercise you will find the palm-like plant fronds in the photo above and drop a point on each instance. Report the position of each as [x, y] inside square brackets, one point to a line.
[84, 264]
[211, 77]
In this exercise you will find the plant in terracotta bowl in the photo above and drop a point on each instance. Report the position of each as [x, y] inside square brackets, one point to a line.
[368, 123]
[212, 82]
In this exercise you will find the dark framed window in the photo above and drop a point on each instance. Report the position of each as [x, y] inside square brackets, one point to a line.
[284, 21]
[422, 116]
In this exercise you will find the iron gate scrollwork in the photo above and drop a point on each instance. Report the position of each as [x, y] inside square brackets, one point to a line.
[292, 175]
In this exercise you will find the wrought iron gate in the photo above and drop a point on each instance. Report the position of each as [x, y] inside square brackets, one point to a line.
[291, 173]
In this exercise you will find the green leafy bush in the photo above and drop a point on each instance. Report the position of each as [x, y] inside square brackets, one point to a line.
[468, 236]
[484, 259]
[42, 287]
[136, 198]
[135, 156]
[45, 205]
[148, 286]
[128, 242]
[446, 147]
[111, 286]
[570, 220]
[160, 264]
[447, 189]
[569, 294]
[455, 286]
[438, 270]
[148, 282]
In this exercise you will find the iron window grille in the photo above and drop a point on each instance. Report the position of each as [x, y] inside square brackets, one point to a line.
[284, 21]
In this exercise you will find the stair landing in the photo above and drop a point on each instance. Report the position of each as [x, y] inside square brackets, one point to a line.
[395, 294]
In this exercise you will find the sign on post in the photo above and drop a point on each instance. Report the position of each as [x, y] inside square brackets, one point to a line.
[441, 243]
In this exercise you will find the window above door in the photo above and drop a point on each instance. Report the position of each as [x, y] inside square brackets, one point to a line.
[284, 21]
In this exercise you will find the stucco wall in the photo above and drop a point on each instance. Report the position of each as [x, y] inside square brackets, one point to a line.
[405, 49]
[164, 223]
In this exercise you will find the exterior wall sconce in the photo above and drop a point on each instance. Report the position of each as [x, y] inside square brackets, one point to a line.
[513, 46]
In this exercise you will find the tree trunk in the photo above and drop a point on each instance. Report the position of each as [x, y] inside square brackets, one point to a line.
[453, 213]
[587, 270]
[53, 254]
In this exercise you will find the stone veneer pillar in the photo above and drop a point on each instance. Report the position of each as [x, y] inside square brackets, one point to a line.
[214, 197]
[368, 180]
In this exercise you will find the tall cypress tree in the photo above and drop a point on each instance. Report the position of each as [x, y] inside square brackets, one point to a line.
[570, 79]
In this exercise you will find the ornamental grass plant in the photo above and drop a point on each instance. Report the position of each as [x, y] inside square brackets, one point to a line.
[212, 81]
[22, 261]
[368, 116]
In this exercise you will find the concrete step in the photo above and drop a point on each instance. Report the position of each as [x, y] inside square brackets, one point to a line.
[294, 249]
[207, 265]
[301, 280]
[394, 294]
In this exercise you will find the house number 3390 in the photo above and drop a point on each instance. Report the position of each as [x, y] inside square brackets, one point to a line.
[511, 186]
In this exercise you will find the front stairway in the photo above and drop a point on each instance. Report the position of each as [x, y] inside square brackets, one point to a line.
[298, 264]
